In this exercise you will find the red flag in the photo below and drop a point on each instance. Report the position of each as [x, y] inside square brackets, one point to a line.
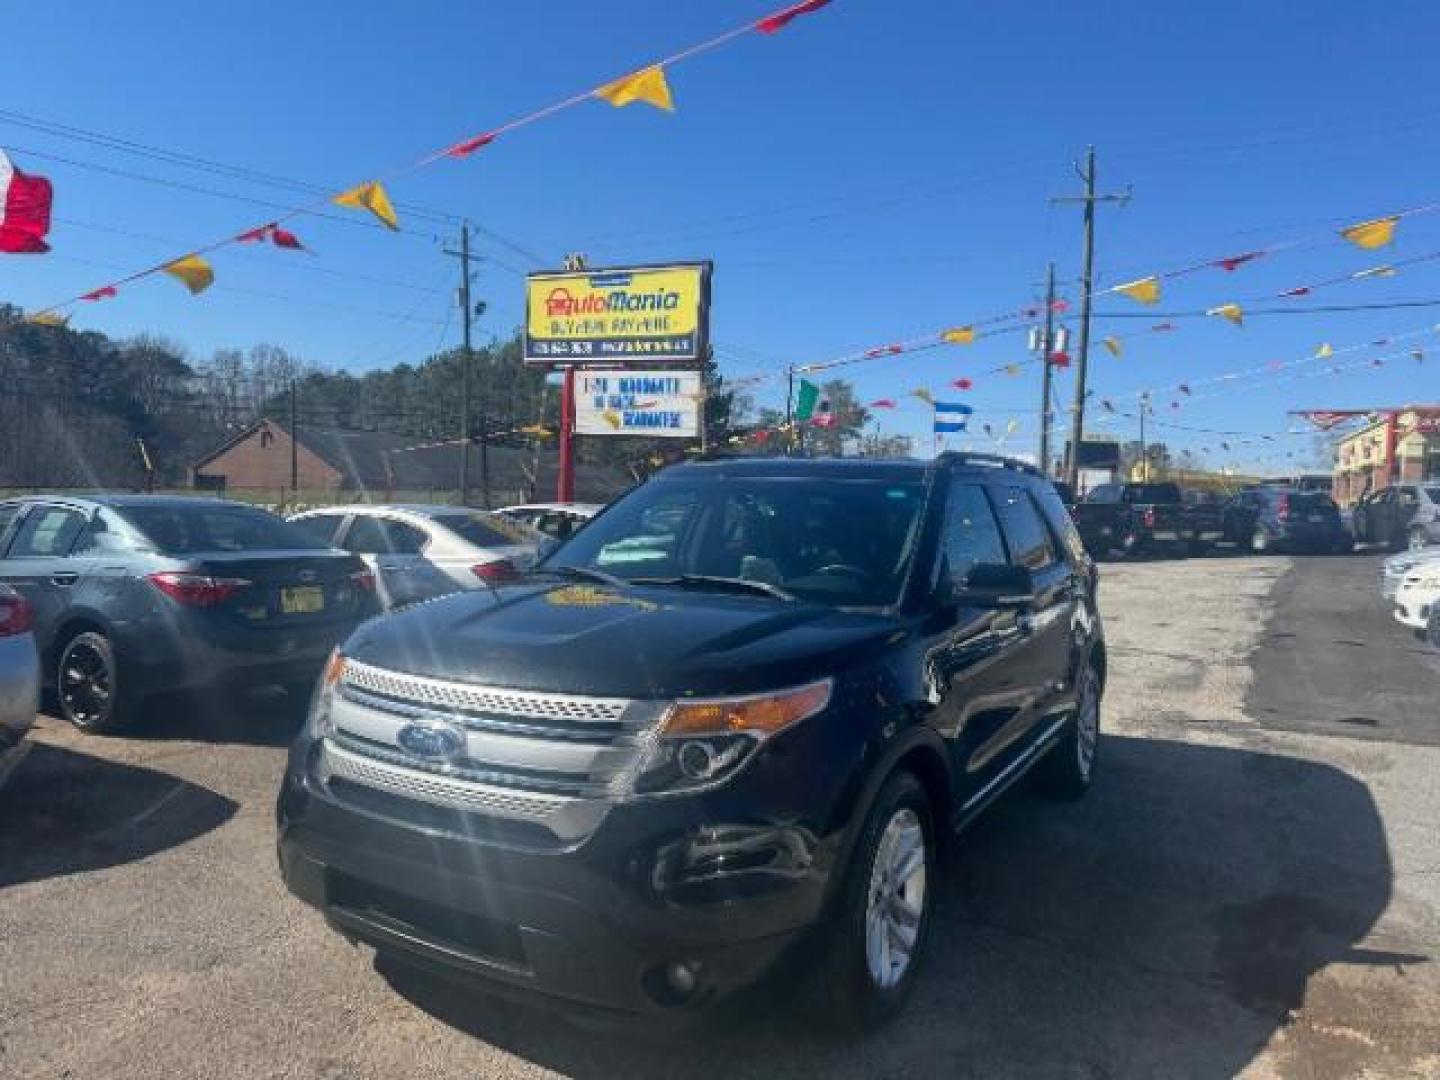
[781, 19]
[882, 403]
[100, 294]
[285, 239]
[24, 210]
[962, 384]
[1234, 262]
[469, 146]
[1060, 306]
[253, 236]
[1299, 290]
[1060, 359]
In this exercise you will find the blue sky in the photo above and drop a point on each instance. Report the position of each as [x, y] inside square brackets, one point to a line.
[874, 172]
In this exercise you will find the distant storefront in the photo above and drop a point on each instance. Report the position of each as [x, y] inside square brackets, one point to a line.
[1398, 447]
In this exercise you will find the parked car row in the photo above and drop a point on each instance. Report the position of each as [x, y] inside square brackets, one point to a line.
[1399, 516]
[1162, 518]
[1410, 582]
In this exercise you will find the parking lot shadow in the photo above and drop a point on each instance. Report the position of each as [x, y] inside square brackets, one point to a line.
[1167, 925]
[65, 812]
[259, 716]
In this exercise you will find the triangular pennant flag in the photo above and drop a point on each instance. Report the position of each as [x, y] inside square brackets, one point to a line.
[469, 146]
[781, 19]
[1324, 351]
[958, 335]
[1232, 312]
[1145, 290]
[1234, 262]
[1012, 369]
[1372, 234]
[49, 318]
[882, 403]
[1374, 271]
[103, 293]
[1162, 328]
[284, 238]
[1185, 389]
[1060, 359]
[1107, 405]
[648, 85]
[1113, 347]
[1012, 427]
[962, 384]
[1299, 290]
[253, 236]
[194, 271]
[924, 395]
[370, 196]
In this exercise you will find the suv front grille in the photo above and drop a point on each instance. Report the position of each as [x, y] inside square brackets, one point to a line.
[551, 760]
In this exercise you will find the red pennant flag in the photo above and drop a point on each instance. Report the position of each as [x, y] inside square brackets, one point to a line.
[253, 236]
[1060, 306]
[781, 19]
[469, 146]
[285, 239]
[962, 384]
[1234, 262]
[100, 294]
[870, 354]
[1060, 359]
[882, 403]
[1299, 290]
[24, 210]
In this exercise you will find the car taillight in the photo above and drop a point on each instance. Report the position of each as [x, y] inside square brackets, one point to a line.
[1149, 518]
[363, 580]
[16, 616]
[499, 570]
[197, 590]
[1282, 508]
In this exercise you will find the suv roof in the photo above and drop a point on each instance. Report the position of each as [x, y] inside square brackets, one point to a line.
[742, 465]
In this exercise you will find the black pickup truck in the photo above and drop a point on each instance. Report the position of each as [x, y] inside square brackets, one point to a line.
[1140, 518]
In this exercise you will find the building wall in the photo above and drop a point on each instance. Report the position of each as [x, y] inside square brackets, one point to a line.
[261, 461]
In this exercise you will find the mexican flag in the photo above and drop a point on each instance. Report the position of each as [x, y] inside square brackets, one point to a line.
[806, 400]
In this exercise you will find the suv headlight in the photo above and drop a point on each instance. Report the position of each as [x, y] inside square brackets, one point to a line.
[319, 722]
[703, 742]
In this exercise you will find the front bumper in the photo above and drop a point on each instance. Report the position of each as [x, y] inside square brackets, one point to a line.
[592, 926]
[1412, 613]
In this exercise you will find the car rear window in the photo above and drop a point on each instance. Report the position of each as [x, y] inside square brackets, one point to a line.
[486, 530]
[1152, 493]
[182, 530]
[1312, 500]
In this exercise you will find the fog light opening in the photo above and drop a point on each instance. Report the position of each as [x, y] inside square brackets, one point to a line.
[674, 983]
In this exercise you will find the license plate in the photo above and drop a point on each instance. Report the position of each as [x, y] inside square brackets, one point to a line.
[302, 600]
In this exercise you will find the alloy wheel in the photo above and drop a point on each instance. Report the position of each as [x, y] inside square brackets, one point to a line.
[896, 899]
[86, 683]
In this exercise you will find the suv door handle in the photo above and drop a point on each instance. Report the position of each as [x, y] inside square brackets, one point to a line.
[391, 566]
[64, 577]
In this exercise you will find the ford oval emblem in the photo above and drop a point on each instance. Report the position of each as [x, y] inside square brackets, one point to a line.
[432, 740]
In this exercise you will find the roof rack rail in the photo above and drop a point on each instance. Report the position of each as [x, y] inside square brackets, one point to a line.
[994, 461]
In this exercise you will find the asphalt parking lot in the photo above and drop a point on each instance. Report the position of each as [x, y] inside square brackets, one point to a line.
[1252, 887]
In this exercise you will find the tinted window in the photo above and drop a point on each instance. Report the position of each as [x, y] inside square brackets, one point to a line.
[972, 534]
[838, 541]
[48, 531]
[319, 527]
[1431, 493]
[1025, 532]
[1105, 493]
[7, 515]
[379, 536]
[105, 533]
[1152, 493]
[486, 530]
[1060, 523]
[182, 530]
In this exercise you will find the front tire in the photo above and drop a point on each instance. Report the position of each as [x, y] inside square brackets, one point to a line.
[1069, 768]
[88, 688]
[874, 945]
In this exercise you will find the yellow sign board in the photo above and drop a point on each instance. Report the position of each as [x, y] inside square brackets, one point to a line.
[643, 313]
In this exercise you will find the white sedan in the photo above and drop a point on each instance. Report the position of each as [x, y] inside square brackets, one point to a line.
[1417, 596]
[421, 552]
[555, 520]
[19, 677]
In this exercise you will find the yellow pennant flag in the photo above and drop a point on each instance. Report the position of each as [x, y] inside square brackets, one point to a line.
[1324, 351]
[959, 335]
[48, 318]
[1372, 234]
[1375, 271]
[924, 395]
[1232, 312]
[1012, 369]
[194, 271]
[1146, 290]
[648, 86]
[1113, 347]
[370, 196]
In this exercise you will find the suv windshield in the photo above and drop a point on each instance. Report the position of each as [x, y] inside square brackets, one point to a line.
[835, 541]
[181, 530]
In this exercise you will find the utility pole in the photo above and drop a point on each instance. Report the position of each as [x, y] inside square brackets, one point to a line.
[1144, 454]
[467, 362]
[1087, 281]
[294, 442]
[1046, 348]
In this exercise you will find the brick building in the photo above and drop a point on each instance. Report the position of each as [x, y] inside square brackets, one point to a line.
[1398, 446]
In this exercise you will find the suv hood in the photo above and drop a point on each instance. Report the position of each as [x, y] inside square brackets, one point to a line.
[643, 642]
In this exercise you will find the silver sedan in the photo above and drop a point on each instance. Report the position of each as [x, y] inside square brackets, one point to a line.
[1393, 572]
[19, 679]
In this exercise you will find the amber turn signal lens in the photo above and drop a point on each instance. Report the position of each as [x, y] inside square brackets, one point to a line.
[762, 714]
[334, 669]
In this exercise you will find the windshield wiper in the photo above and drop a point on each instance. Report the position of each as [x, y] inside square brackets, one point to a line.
[584, 573]
[733, 584]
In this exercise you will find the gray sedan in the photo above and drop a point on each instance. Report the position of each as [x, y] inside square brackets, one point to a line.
[19, 679]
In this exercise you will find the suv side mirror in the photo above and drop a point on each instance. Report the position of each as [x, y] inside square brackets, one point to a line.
[999, 585]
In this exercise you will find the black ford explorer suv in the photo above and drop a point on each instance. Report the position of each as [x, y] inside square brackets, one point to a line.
[737, 712]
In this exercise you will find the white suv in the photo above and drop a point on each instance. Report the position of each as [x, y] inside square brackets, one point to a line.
[1417, 597]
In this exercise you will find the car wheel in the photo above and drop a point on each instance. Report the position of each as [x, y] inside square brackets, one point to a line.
[88, 687]
[1419, 538]
[1069, 768]
[1260, 542]
[876, 939]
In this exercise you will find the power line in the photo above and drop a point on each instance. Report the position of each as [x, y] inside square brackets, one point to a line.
[1314, 310]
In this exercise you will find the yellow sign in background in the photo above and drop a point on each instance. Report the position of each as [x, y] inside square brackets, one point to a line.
[641, 313]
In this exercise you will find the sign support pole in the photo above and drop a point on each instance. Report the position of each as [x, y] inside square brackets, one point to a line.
[565, 484]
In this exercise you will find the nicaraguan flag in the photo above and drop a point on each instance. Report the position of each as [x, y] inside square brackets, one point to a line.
[951, 416]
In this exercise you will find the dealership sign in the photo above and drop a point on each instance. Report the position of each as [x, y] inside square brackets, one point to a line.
[645, 314]
[664, 404]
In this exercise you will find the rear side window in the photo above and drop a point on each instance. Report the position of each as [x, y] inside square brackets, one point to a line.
[377, 536]
[972, 534]
[1105, 493]
[319, 527]
[1060, 523]
[486, 530]
[48, 532]
[182, 530]
[1029, 542]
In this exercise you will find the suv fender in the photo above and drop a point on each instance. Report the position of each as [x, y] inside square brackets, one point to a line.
[919, 749]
